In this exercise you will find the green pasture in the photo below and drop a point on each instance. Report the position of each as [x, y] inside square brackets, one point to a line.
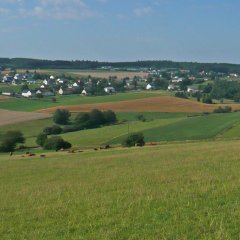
[191, 128]
[175, 191]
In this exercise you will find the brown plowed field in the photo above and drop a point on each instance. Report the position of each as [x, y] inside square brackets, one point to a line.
[3, 98]
[10, 117]
[154, 104]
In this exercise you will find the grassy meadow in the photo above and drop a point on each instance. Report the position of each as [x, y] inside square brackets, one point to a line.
[157, 127]
[174, 191]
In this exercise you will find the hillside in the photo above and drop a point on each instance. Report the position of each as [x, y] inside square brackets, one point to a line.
[26, 63]
[177, 191]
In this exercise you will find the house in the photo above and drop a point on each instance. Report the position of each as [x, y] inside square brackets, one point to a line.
[149, 87]
[16, 81]
[8, 93]
[7, 78]
[192, 89]
[45, 92]
[84, 92]
[28, 93]
[177, 80]
[66, 91]
[109, 90]
[172, 87]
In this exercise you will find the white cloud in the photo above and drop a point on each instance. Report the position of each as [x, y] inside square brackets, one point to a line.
[62, 9]
[140, 12]
[4, 11]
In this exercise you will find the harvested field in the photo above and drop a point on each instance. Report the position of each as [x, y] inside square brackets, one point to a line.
[10, 117]
[3, 98]
[107, 74]
[154, 104]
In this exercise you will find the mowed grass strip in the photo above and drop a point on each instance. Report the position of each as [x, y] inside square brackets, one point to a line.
[151, 104]
[192, 128]
[177, 191]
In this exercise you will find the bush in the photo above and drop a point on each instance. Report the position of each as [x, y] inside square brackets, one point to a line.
[61, 116]
[56, 143]
[7, 145]
[207, 100]
[140, 117]
[181, 95]
[226, 109]
[10, 140]
[54, 130]
[96, 118]
[110, 117]
[134, 139]
[41, 139]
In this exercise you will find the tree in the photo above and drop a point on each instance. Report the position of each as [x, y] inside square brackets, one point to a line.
[7, 145]
[24, 87]
[55, 129]
[134, 139]
[61, 116]
[110, 117]
[56, 143]
[10, 140]
[17, 136]
[96, 118]
[41, 139]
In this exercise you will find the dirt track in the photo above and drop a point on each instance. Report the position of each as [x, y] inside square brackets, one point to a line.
[154, 104]
[10, 117]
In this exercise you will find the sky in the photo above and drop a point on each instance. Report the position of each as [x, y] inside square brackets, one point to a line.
[121, 30]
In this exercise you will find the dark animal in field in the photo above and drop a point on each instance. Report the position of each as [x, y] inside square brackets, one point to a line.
[95, 149]
[42, 155]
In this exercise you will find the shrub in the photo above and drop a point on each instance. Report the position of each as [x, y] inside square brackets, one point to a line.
[96, 118]
[110, 117]
[7, 145]
[134, 139]
[10, 140]
[207, 100]
[41, 139]
[140, 117]
[181, 95]
[61, 116]
[55, 129]
[226, 109]
[56, 143]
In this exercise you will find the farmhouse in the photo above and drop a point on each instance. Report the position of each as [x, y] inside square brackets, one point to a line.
[109, 90]
[28, 93]
[67, 91]
[45, 92]
[192, 89]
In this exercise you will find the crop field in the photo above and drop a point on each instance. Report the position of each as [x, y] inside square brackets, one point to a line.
[21, 104]
[158, 127]
[153, 104]
[10, 117]
[175, 191]
[191, 128]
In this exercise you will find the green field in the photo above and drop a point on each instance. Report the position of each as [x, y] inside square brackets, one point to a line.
[191, 128]
[176, 191]
[158, 127]
[21, 104]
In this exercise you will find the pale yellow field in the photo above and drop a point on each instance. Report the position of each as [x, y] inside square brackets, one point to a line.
[10, 117]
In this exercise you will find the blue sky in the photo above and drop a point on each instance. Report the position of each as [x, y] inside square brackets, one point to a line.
[121, 30]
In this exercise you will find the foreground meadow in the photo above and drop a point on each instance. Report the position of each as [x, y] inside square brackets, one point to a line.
[175, 191]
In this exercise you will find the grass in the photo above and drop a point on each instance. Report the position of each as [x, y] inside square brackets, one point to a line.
[157, 127]
[176, 191]
[16, 88]
[194, 128]
[37, 104]
[99, 136]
